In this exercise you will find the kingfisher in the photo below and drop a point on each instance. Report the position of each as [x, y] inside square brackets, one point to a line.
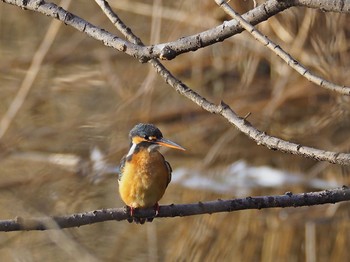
[144, 173]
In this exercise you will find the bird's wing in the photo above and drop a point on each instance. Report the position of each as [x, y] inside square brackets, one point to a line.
[169, 171]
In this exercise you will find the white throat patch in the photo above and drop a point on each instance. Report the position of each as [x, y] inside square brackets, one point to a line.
[132, 149]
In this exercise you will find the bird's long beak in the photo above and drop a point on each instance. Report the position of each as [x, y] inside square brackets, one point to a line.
[168, 143]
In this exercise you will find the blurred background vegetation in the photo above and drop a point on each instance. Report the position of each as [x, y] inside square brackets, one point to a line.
[87, 97]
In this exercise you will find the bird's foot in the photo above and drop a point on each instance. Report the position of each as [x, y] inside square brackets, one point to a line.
[131, 212]
[139, 220]
[156, 212]
[156, 209]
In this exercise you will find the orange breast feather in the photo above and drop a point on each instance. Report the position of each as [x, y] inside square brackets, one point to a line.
[145, 178]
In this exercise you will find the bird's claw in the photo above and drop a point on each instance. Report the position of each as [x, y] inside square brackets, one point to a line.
[139, 220]
[156, 209]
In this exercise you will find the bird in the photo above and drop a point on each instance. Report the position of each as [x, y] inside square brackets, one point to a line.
[144, 173]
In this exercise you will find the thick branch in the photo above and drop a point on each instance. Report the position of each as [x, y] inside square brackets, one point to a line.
[185, 44]
[118, 214]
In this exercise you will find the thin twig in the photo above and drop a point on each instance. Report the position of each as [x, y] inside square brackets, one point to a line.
[292, 62]
[117, 22]
[261, 138]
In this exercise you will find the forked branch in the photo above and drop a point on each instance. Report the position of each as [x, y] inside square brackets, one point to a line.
[135, 49]
[185, 44]
[261, 138]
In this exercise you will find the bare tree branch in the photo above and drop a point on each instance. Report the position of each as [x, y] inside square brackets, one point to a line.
[261, 138]
[119, 214]
[108, 39]
[144, 53]
[340, 6]
[117, 22]
[183, 45]
[111, 40]
[292, 62]
[170, 50]
[275, 143]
